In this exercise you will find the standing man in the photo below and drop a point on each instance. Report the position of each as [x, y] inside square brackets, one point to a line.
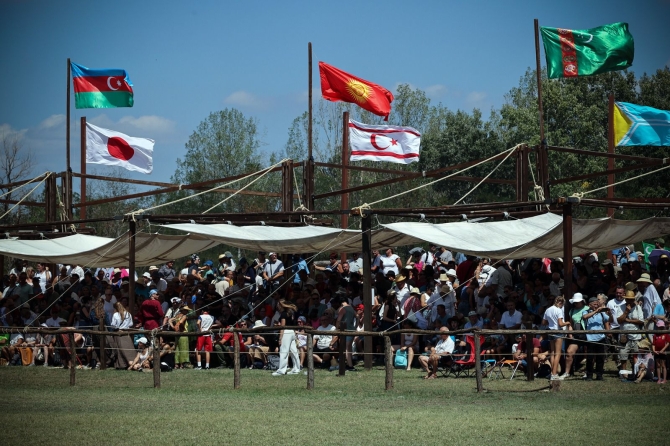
[273, 271]
[631, 319]
[376, 264]
[596, 318]
[151, 312]
[168, 271]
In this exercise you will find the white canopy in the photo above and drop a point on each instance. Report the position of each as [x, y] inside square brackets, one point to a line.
[91, 251]
[539, 236]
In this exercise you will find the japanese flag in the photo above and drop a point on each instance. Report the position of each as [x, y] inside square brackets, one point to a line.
[384, 143]
[112, 148]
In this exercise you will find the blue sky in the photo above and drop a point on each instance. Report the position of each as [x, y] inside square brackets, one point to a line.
[187, 59]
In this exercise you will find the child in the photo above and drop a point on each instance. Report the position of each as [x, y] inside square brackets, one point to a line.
[205, 322]
[659, 347]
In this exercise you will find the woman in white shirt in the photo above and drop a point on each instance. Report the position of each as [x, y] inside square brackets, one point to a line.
[553, 319]
[124, 348]
[391, 262]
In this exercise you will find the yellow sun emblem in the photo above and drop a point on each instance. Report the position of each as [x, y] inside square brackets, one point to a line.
[358, 90]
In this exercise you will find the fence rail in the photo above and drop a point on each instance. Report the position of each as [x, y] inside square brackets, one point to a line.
[310, 332]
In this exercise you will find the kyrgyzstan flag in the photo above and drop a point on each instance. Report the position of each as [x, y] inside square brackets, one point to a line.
[337, 85]
[384, 143]
[112, 148]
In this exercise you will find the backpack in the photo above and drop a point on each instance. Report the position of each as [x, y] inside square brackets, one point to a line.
[273, 362]
[400, 359]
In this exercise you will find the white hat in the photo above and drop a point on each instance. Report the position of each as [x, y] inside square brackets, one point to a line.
[451, 272]
[143, 340]
[577, 297]
[259, 323]
[175, 299]
[147, 275]
[153, 268]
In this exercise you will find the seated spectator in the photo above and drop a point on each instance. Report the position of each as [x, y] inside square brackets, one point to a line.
[143, 357]
[520, 353]
[440, 353]
[258, 349]
[324, 345]
[408, 343]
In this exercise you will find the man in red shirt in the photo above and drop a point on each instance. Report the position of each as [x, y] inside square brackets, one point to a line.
[151, 313]
[520, 353]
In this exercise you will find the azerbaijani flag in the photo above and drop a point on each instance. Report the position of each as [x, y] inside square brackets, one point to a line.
[107, 88]
[584, 52]
[638, 125]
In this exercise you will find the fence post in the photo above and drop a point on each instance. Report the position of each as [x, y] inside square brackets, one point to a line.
[342, 351]
[103, 345]
[530, 360]
[478, 363]
[157, 362]
[236, 360]
[310, 363]
[388, 350]
[73, 359]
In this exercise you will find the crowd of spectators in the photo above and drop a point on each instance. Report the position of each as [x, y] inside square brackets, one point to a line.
[431, 289]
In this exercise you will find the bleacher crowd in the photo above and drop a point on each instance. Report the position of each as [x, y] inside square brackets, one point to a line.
[431, 289]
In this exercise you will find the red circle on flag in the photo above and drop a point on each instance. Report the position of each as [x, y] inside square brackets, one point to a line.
[119, 148]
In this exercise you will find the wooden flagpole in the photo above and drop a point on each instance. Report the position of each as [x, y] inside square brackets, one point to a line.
[543, 158]
[82, 200]
[309, 171]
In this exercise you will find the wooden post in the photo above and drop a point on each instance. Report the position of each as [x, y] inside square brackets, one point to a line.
[132, 229]
[567, 253]
[103, 344]
[82, 198]
[344, 198]
[309, 164]
[67, 120]
[366, 254]
[236, 360]
[530, 367]
[157, 362]
[310, 362]
[73, 359]
[610, 149]
[341, 344]
[388, 351]
[478, 363]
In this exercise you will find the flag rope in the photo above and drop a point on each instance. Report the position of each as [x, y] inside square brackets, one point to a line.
[140, 211]
[368, 205]
[581, 194]
[47, 175]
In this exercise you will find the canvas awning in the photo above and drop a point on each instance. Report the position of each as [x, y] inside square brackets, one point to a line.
[93, 251]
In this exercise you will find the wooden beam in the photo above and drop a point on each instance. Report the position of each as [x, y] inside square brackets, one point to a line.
[604, 154]
[604, 172]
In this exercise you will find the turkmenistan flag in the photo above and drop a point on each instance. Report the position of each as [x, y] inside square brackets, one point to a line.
[583, 52]
[107, 88]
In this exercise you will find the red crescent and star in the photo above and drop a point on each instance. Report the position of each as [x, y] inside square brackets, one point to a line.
[119, 148]
[373, 141]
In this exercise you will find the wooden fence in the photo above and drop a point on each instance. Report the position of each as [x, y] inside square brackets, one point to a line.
[388, 352]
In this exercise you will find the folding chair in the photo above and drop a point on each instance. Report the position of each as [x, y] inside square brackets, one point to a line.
[511, 364]
[466, 361]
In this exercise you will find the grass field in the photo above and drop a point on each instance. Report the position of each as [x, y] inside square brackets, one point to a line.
[201, 407]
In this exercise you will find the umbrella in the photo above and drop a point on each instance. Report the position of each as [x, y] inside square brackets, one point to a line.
[656, 254]
[416, 250]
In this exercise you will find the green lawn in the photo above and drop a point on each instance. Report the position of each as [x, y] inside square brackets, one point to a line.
[201, 407]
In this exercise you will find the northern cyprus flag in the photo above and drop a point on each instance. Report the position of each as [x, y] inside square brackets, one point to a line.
[112, 148]
[384, 143]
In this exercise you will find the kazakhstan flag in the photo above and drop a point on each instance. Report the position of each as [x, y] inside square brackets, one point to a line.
[638, 125]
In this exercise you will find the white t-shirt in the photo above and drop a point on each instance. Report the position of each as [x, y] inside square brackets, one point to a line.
[323, 341]
[109, 306]
[509, 321]
[402, 295]
[388, 264]
[445, 346]
[617, 310]
[44, 278]
[206, 321]
[127, 322]
[552, 315]
[54, 321]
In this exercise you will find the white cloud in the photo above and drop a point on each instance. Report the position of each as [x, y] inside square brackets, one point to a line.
[6, 129]
[245, 99]
[475, 98]
[149, 123]
[53, 121]
[436, 90]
